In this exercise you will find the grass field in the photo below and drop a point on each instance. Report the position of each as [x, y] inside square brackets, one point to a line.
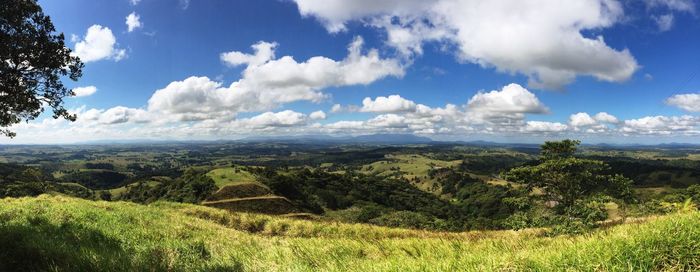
[54, 233]
[117, 192]
[230, 175]
[410, 166]
[413, 165]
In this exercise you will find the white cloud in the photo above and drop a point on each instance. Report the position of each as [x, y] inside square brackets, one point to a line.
[184, 4]
[541, 39]
[581, 119]
[393, 103]
[317, 115]
[134, 2]
[133, 21]
[345, 125]
[456, 122]
[264, 52]
[688, 102]
[316, 72]
[111, 116]
[268, 83]
[98, 44]
[275, 119]
[664, 22]
[84, 91]
[663, 125]
[512, 98]
[605, 117]
[197, 98]
[601, 122]
[390, 120]
[499, 111]
[336, 108]
[120, 114]
[544, 127]
[502, 110]
[674, 5]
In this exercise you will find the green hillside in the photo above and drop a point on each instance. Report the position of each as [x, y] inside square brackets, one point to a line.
[230, 175]
[55, 233]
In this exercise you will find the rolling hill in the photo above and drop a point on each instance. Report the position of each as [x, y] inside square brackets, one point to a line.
[56, 233]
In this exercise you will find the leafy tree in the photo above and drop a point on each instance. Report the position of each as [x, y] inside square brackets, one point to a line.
[558, 149]
[106, 195]
[565, 179]
[192, 187]
[32, 61]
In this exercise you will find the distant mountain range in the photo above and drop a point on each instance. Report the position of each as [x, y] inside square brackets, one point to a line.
[385, 139]
[369, 139]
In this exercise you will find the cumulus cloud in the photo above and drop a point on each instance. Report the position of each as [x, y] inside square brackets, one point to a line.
[662, 125]
[605, 117]
[121, 114]
[320, 72]
[498, 111]
[581, 119]
[393, 103]
[84, 91]
[452, 121]
[197, 98]
[99, 43]
[687, 102]
[336, 108]
[275, 119]
[111, 116]
[601, 122]
[512, 98]
[264, 51]
[544, 127]
[317, 115]
[268, 82]
[133, 21]
[543, 40]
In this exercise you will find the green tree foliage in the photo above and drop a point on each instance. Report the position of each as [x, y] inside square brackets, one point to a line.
[393, 202]
[565, 179]
[192, 187]
[32, 61]
[99, 179]
[558, 149]
[18, 181]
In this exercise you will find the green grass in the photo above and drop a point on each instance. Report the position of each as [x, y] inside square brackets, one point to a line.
[229, 175]
[414, 165]
[411, 166]
[117, 192]
[55, 233]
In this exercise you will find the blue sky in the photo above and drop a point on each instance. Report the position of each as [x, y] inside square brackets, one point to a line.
[517, 71]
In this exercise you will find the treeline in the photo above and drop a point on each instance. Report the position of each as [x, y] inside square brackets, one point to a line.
[19, 180]
[677, 173]
[391, 202]
[192, 187]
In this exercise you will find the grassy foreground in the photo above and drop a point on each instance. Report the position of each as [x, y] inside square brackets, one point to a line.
[58, 233]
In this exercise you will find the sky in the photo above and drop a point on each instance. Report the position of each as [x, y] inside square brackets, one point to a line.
[603, 71]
